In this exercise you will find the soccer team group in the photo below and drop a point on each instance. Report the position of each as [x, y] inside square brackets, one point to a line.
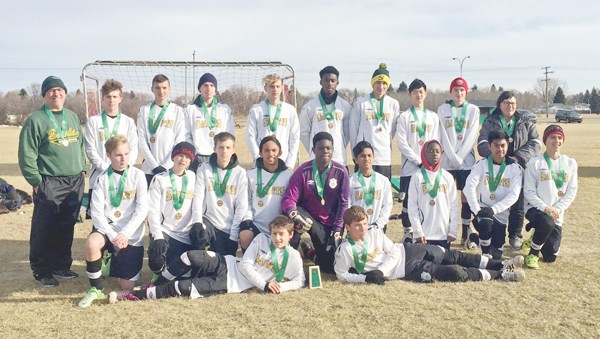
[201, 206]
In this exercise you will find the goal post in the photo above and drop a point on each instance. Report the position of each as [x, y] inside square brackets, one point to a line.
[239, 84]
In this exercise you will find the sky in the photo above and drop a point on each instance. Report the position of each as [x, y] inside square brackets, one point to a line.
[508, 41]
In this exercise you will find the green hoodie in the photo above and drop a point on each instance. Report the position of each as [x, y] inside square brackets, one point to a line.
[41, 149]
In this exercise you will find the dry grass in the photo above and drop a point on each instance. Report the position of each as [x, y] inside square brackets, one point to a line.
[559, 300]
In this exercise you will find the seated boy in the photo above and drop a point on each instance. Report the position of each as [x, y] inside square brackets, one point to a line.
[369, 256]
[370, 189]
[491, 188]
[266, 185]
[550, 188]
[432, 200]
[170, 218]
[119, 207]
[220, 199]
[269, 264]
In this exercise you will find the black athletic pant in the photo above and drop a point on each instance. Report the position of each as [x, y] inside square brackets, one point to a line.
[55, 210]
[322, 239]
[174, 250]
[516, 217]
[547, 234]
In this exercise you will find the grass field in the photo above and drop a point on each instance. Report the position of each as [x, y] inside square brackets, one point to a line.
[558, 300]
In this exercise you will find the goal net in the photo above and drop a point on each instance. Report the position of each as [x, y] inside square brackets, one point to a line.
[239, 83]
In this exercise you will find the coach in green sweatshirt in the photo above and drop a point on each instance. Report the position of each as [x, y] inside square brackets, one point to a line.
[52, 160]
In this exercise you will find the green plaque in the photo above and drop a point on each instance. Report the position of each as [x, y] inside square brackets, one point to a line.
[314, 277]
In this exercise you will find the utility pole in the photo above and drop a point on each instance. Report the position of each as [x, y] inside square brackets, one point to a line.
[546, 72]
[460, 61]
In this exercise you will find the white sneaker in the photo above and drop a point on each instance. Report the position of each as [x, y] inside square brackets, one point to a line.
[472, 241]
[513, 275]
[514, 262]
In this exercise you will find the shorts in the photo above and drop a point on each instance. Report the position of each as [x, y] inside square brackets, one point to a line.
[461, 178]
[125, 263]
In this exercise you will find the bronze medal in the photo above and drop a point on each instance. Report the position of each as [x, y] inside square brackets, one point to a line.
[219, 202]
[118, 214]
[370, 211]
[421, 142]
[178, 216]
[459, 137]
[561, 194]
[211, 134]
[492, 196]
[431, 202]
[330, 125]
[153, 139]
[322, 201]
[261, 203]
[510, 140]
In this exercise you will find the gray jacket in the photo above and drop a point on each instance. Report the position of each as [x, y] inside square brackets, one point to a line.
[526, 143]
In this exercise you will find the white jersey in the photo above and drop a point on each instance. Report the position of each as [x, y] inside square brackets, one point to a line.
[410, 143]
[459, 152]
[156, 149]
[478, 193]
[364, 125]
[227, 212]
[540, 190]
[435, 222]
[313, 121]
[382, 202]
[95, 137]
[287, 130]
[262, 210]
[129, 217]
[256, 267]
[197, 131]
[383, 255]
[163, 217]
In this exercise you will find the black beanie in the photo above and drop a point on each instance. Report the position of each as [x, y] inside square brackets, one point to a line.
[51, 82]
[184, 148]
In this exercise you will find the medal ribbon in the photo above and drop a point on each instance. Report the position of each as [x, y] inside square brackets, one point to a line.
[212, 120]
[153, 124]
[62, 129]
[178, 197]
[557, 176]
[508, 128]
[359, 263]
[260, 191]
[107, 132]
[378, 112]
[279, 270]
[320, 179]
[459, 122]
[220, 187]
[273, 123]
[370, 194]
[421, 124]
[495, 181]
[116, 197]
[433, 191]
[328, 115]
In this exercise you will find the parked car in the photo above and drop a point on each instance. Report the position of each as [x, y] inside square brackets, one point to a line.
[528, 114]
[568, 116]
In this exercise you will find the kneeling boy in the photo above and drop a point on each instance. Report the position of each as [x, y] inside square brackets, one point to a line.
[369, 256]
[119, 207]
[269, 264]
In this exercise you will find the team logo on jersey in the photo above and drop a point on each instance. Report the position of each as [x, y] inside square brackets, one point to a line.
[310, 182]
[332, 183]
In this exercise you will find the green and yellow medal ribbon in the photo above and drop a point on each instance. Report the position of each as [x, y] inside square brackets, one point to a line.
[378, 112]
[153, 124]
[359, 263]
[320, 180]
[273, 123]
[459, 122]
[107, 132]
[116, 197]
[509, 127]
[370, 193]
[260, 190]
[557, 176]
[432, 189]
[220, 186]
[178, 196]
[279, 269]
[212, 119]
[420, 123]
[62, 129]
[328, 115]
[494, 181]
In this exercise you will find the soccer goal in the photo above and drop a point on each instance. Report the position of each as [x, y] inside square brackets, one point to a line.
[239, 83]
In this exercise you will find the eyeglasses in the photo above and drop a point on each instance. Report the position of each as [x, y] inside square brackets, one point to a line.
[510, 103]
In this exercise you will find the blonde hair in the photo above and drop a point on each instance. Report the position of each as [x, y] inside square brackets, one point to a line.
[111, 85]
[271, 79]
[282, 221]
[114, 142]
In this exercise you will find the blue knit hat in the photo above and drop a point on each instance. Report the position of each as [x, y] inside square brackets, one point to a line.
[207, 77]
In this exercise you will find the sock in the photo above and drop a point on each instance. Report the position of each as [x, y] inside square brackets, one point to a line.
[94, 273]
[483, 262]
[535, 249]
[485, 275]
[485, 245]
[465, 229]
